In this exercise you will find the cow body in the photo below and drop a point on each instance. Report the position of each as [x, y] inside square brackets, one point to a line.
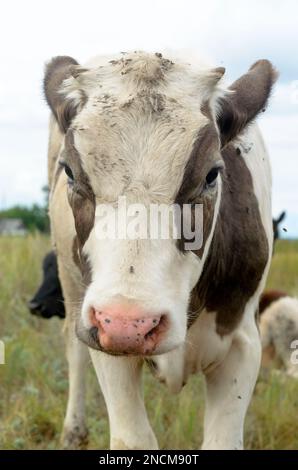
[148, 128]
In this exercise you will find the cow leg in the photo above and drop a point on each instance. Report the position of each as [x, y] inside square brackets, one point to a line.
[74, 429]
[120, 381]
[229, 388]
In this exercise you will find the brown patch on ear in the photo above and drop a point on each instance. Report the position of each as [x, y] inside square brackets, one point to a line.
[59, 69]
[250, 95]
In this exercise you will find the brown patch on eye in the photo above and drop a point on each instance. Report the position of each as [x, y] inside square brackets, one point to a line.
[81, 261]
[82, 201]
[198, 165]
[73, 158]
[239, 249]
[208, 214]
[192, 187]
[84, 215]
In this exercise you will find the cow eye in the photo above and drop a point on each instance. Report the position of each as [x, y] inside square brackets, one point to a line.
[68, 172]
[212, 177]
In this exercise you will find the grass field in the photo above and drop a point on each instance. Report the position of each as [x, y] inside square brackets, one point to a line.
[33, 383]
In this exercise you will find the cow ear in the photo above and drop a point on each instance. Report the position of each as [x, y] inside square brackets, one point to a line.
[59, 69]
[248, 96]
[281, 217]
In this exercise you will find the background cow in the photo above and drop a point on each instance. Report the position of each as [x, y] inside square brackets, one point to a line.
[159, 130]
[279, 329]
[48, 300]
[276, 223]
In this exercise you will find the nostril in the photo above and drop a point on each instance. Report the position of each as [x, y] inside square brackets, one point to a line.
[94, 333]
[158, 325]
[96, 317]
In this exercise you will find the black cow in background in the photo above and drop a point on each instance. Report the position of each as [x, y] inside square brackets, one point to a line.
[48, 300]
[276, 222]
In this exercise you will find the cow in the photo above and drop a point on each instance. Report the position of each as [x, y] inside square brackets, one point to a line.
[157, 129]
[279, 330]
[48, 300]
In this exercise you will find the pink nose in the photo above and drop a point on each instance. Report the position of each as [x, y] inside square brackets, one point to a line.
[127, 329]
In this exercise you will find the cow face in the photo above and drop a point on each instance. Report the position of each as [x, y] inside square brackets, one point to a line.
[144, 131]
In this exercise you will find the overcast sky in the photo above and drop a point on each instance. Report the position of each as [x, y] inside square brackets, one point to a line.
[227, 32]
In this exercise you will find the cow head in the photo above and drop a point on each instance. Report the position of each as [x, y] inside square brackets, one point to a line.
[150, 131]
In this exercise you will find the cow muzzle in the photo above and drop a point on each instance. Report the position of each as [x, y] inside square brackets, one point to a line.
[122, 329]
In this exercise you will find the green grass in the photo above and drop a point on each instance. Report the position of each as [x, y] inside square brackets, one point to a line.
[33, 383]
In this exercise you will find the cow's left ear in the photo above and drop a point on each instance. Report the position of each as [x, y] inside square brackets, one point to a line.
[249, 96]
[59, 69]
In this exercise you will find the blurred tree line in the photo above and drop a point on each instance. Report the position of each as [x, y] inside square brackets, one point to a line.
[34, 217]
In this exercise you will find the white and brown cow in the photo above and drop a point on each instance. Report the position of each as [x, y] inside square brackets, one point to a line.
[279, 331]
[160, 131]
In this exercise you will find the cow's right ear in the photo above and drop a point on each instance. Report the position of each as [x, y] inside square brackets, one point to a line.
[280, 218]
[249, 96]
[59, 69]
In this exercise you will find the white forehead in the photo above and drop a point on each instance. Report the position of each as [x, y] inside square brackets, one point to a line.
[141, 116]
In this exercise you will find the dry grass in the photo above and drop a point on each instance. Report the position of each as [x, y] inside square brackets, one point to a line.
[33, 383]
